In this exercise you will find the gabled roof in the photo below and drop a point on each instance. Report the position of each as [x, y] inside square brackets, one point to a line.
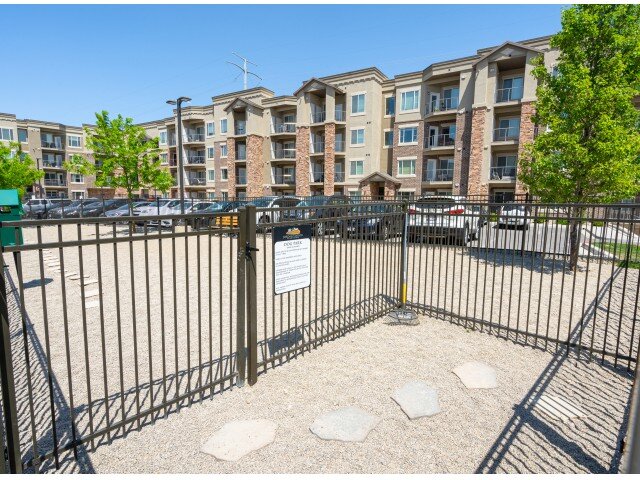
[242, 100]
[311, 81]
[508, 43]
[380, 177]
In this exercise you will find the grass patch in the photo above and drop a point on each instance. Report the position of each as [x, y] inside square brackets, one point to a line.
[597, 223]
[621, 250]
[541, 219]
[493, 217]
[562, 221]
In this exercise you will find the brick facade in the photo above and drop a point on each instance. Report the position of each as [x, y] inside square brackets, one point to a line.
[255, 166]
[400, 151]
[527, 131]
[231, 167]
[329, 158]
[302, 161]
[477, 185]
[461, 154]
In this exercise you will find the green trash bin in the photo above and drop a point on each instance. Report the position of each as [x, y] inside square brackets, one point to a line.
[10, 210]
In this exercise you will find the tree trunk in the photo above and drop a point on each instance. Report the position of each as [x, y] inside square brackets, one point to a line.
[575, 225]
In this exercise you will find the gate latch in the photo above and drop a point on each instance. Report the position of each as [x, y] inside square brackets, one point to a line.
[248, 249]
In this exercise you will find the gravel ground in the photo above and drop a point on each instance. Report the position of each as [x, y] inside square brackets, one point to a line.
[197, 349]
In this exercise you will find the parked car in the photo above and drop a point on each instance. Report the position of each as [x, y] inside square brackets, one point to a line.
[39, 207]
[443, 216]
[99, 208]
[367, 220]
[266, 206]
[515, 215]
[326, 208]
[123, 210]
[74, 209]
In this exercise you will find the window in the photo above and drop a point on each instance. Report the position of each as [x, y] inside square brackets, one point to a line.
[211, 129]
[223, 125]
[504, 167]
[163, 137]
[211, 152]
[73, 141]
[388, 138]
[211, 175]
[450, 98]
[225, 195]
[512, 89]
[408, 135]
[164, 159]
[406, 195]
[410, 101]
[357, 103]
[224, 174]
[22, 135]
[357, 136]
[223, 150]
[77, 178]
[77, 194]
[407, 167]
[390, 106]
[355, 195]
[6, 134]
[356, 167]
[508, 129]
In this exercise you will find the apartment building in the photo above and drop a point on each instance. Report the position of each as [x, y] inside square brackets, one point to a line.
[456, 127]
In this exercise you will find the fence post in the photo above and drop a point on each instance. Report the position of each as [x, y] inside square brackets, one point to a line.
[252, 300]
[405, 258]
[9, 407]
[632, 450]
[241, 350]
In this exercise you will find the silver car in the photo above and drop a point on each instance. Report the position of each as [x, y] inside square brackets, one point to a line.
[445, 217]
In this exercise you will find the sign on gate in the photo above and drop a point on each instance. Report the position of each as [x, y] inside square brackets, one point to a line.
[291, 258]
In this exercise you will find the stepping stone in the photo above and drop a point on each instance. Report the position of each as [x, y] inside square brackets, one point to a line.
[90, 293]
[417, 399]
[51, 264]
[89, 282]
[477, 375]
[558, 408]
[93, 304]
[236, 439]
[348, 424]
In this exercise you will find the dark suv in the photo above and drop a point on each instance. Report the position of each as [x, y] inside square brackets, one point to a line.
[328, 209]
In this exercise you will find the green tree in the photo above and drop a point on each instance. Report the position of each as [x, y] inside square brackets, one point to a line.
[124, 156]
[590, 152]
[17, 169]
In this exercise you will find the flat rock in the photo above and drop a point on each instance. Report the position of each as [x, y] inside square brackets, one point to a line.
[477, 375]
[91, 293]
[417, 399]
[236, 439]
[348, 424]
[92, 304]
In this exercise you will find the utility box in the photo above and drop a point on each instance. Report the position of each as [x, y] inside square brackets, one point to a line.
[10, 210]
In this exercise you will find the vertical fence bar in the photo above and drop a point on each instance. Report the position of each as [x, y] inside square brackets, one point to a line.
[632, 455]
[252, 300]
[404, 260]
[241, 351]
[9, 406]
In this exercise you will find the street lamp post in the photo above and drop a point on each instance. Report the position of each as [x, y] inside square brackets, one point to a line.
[178, 104]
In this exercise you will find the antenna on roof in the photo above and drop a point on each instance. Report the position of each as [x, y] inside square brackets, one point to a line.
[245, 71]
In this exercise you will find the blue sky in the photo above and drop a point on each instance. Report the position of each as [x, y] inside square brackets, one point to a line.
[62, 63]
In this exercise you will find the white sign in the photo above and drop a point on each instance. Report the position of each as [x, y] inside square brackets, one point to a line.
[291, 260]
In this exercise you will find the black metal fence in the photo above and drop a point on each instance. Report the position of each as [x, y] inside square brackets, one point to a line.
[109, 324]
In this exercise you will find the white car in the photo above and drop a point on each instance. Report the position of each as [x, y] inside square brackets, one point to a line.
[443, 216]
[267, 207]
[515, 215]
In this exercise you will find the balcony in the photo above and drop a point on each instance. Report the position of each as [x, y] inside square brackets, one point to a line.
[317, 176]
[444, 105]
[284, 153]
[509, 94]
[241, 179]
[241, 154]
[55, 182]
[197, 181]
[318, 147]
[194, 138]
[340, 146]
[438, 175]
[284, 178]
[338, 176]
[442, 140]
[318, 117]
[195, 160]
[240, 128]
[52, 145]
[51, 164]
[506, 134]
[283, 128]
[341, 115]
[503, 173]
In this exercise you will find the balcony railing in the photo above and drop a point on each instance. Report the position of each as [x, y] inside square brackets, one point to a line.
[53, 164]
[509, 94]
[284, 178]
[280, 153]
[340, 145]
[172, 141]
[241, 180]
[318, 117]
[338, 177]
[56, 145]
[55, 182]
[317, 176]
[194, 137]
[438, 175]
[284, 128]
[195, 160]
[444, 104]
[240, 128]
[341, 115]
[506, 134]
[503, 173]
[318, 147]
[442, 140]
[197, 181]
